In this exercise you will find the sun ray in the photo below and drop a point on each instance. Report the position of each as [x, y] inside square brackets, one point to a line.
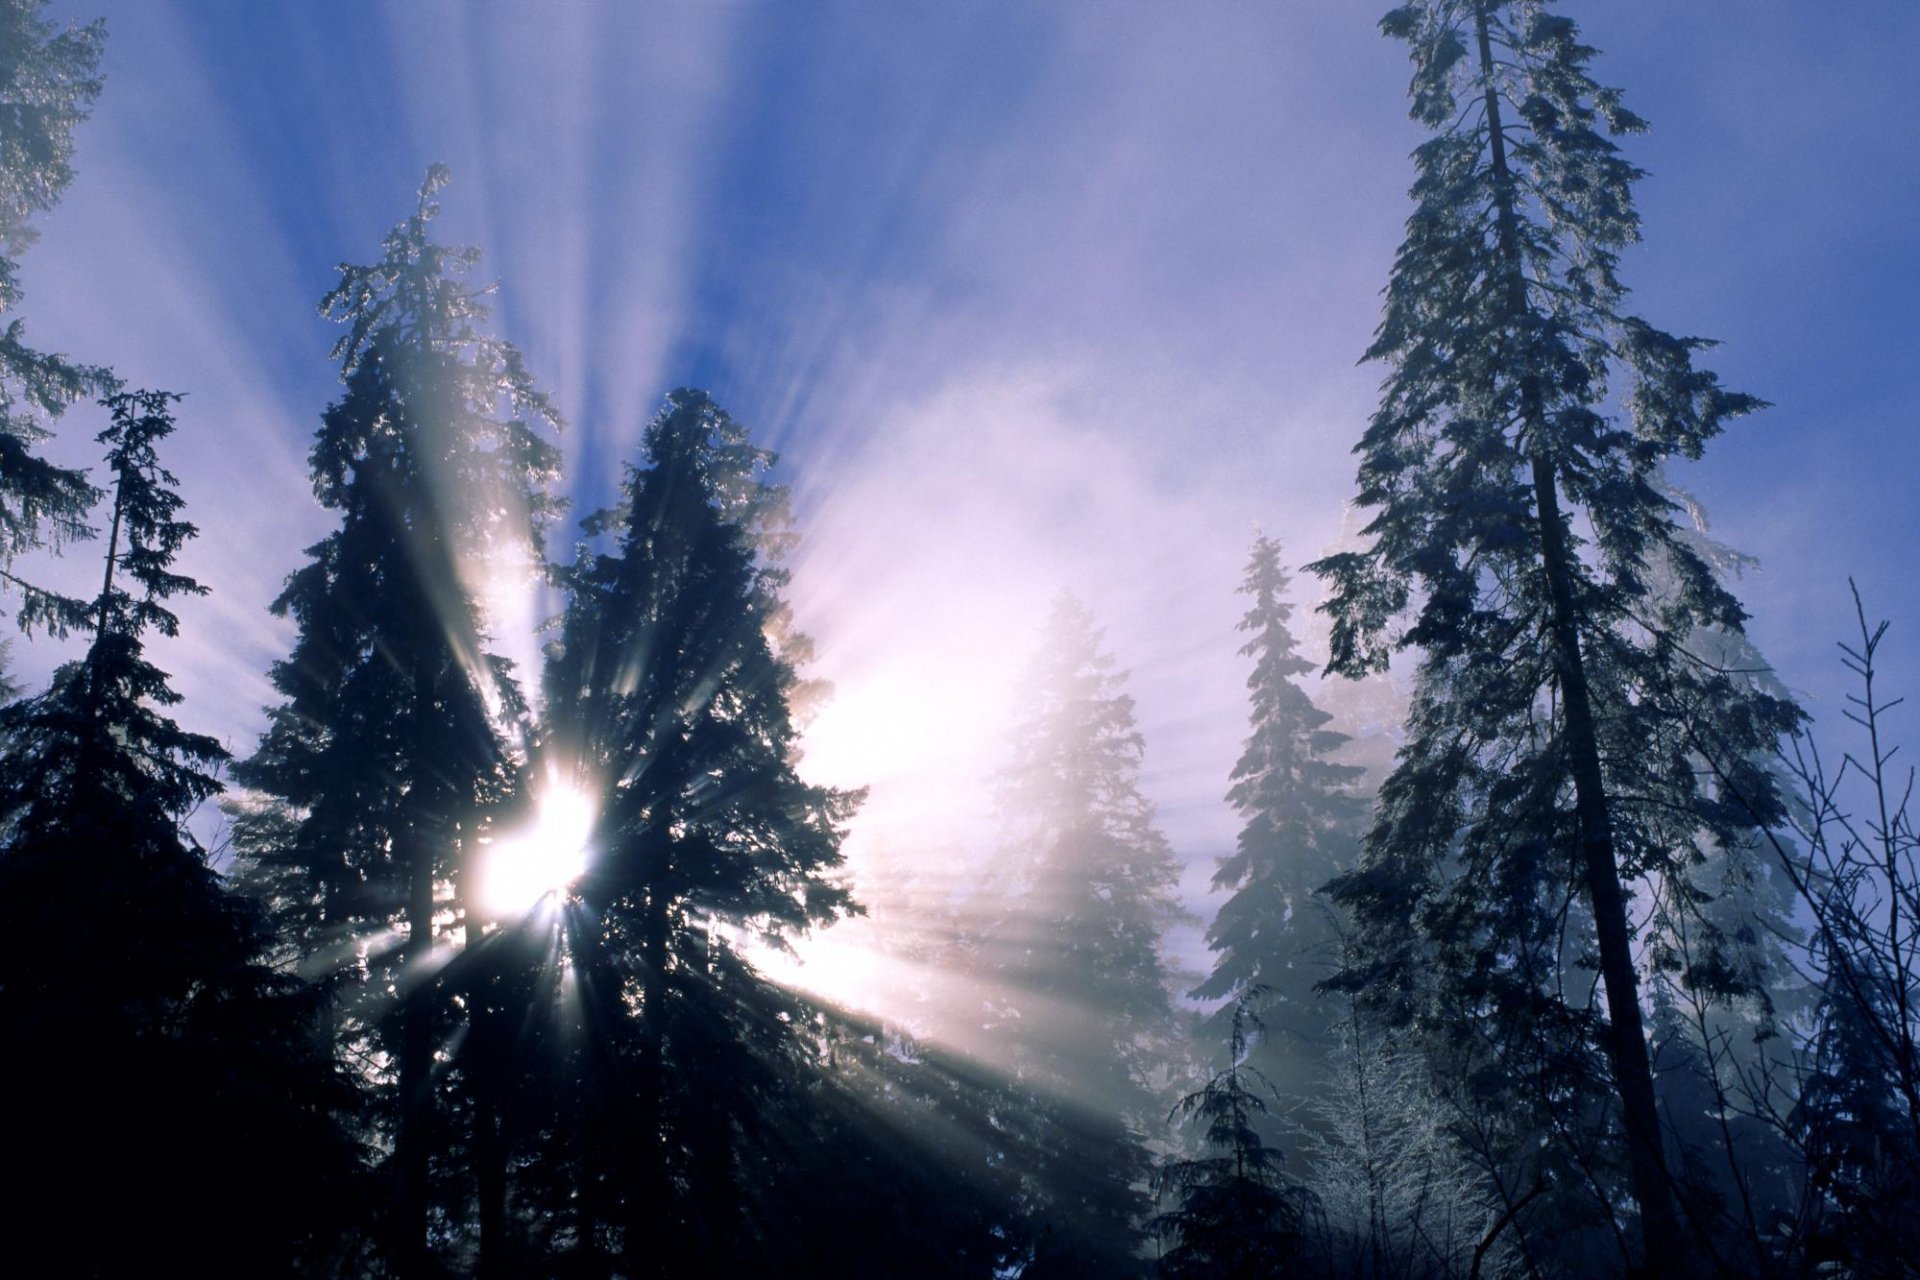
[521, 869]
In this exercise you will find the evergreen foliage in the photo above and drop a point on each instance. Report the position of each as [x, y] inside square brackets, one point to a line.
[1716, 1060]
[1558, 721]
[669, 691]
[379, 767]
[1371, 710]
[1081, 988]
[1302, 825]
[48, 80]
[179, 1071]
[1233, 1217]
[1569, 1038]
[892, 1163]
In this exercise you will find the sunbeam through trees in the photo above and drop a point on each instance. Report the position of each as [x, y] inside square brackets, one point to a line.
[558, 830]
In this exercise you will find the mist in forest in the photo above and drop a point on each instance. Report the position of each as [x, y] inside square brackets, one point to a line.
[991, 640]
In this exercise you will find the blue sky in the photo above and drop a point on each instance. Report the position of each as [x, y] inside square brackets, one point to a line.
[1027, 295]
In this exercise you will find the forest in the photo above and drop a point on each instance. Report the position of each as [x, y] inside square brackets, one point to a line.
[536, 925]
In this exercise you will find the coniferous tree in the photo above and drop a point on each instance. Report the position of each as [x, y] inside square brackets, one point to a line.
[172, 1095]
[1371, 710]
[669, 691]
[1855, 1121]
[48, 81]
[1233, 1217]
[1302, 828]
[378, 769]
[1081, 987]
[1716, 1059]
[1559, 718]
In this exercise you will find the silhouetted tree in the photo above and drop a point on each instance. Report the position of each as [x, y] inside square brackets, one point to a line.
[669, 692]
[1234, 1216]
[1303, 824]
[173, 1099]
[1080, 990]
[48, 80]
[1552, 758]
[380, 764]
[1371, 710]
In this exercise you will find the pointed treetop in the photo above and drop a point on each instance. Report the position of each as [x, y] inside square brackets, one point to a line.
[416, 291]
[97, 734]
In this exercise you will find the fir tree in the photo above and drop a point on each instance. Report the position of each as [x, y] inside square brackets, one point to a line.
[161, 1073]
[48, 80]
[1082, 996]
[1558, 720]
[378, 768]
[1372, 710]
[669, 689]
[1234, 1216]
[1857, 1127]
[1715, 1058]
[1302, 828]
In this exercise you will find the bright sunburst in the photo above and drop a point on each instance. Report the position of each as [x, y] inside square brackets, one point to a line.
[546, 856]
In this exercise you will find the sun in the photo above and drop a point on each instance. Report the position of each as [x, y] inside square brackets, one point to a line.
[521, 868]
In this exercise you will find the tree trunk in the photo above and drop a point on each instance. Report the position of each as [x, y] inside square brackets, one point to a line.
[485, 1070]
[1627, 1038]
[1626, 1041]
[650, 1238]
[412, 1255]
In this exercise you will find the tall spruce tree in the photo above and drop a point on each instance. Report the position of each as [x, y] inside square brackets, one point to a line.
[1559, 717]
[173, 1098]
[669, 689]
[1082, 992]
[380, 764]
[48, 80]
[1303, 825]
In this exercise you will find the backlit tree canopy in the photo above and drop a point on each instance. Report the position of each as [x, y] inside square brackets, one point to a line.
[1559, 716]
[689, 898]
[392, 739]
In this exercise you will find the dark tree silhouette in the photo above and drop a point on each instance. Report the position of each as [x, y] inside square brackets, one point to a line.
[1552, 756]
[1233, 1214]
[172, 1096]
[669, 690]
[381, 764]
[1854, 860]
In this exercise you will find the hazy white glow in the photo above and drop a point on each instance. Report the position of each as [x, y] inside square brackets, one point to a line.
[831, 967]
[522, 868]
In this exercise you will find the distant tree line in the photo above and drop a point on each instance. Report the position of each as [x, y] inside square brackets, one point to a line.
[1551, 945]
